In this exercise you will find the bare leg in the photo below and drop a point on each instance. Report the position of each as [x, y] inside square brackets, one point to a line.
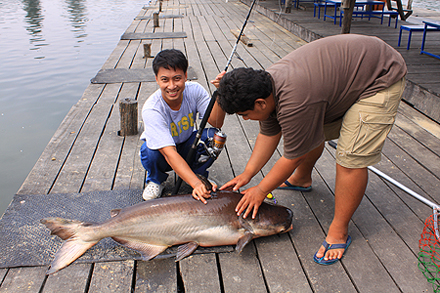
[303, 174]
[349, 190]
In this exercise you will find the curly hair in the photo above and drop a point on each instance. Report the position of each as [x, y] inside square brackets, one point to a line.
[241, 87]
[170, 58]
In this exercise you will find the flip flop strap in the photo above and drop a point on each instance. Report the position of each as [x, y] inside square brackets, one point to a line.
[328, 246]
[288, 183]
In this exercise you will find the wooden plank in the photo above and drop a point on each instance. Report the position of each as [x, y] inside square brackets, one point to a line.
[199, 273]
[112, 277]
[421, 135]
[105, 162]
[142, 36]
[276, 253]
[420, 119]
[76, 166]
[241, 272]
[3, 273]
[407, 171]
[226, 41]
[306, 237]
[114, 57]
[41, 178]
[158, 275]
[130, 173]
[427, 160]
[72, 278]
[394, 254]
[26, 279]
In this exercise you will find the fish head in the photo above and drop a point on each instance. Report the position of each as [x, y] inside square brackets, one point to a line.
[271, 219]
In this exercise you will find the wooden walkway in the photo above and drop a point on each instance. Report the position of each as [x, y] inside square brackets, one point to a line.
[86, 154]
[423, 79]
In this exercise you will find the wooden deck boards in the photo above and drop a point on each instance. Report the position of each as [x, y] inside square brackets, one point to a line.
[423, 78]
[86, 154]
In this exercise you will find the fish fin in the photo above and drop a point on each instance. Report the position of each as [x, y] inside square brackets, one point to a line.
[68, 253]
[243, 240]
[114, 212]
[185, 250]
[147, 251]
[63, 228]
[73, 247]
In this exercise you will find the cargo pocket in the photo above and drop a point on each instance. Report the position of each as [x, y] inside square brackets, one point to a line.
[380, 99]
[373, 130]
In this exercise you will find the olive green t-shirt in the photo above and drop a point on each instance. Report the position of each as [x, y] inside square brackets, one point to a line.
[318, 82]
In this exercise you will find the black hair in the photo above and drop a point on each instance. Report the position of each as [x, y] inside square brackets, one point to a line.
[241, 87]
[170, 58]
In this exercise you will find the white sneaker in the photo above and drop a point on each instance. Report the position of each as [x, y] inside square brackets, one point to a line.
[152, 190]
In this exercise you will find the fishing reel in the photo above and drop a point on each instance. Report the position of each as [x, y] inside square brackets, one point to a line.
[213, 147]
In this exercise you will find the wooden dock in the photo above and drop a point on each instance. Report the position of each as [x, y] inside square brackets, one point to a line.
[86, 154]
[423, 79]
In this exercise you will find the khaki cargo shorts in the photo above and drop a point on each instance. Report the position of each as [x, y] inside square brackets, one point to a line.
[361, 133]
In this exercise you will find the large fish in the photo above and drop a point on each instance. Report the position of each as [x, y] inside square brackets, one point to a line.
[152, 226]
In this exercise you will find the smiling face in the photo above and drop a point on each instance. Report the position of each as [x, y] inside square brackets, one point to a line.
[171, 83]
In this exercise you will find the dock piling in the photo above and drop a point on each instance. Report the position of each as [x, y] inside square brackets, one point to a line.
[128, 110]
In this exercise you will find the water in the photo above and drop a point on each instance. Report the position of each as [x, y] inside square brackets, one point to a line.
[49, 51]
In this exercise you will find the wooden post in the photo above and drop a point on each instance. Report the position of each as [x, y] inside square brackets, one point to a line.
[147, 51]
[348, 6]
[128, 110]
[156, 19]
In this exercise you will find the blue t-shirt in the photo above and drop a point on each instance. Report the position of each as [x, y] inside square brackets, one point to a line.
[165, 127]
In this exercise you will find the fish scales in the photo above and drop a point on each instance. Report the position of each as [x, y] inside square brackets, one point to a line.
[174, 221]
[152, 226]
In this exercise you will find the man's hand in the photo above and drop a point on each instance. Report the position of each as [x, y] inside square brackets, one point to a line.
[237, 182]
[200, 192]
[251, 200]
[216, 81]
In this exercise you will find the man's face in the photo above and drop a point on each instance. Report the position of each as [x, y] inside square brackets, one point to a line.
[260, 112]
[172, 84]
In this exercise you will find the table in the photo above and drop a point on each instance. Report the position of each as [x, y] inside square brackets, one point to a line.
[358, 4]
[426, 28]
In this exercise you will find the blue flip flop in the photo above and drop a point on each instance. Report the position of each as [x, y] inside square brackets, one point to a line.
[290, 186]
[327, 246]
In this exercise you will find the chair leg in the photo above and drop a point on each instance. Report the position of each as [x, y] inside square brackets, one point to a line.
[409, 40]
[400, 37]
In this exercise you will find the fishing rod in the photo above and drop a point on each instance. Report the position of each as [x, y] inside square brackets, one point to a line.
[192, 151]
[397, 183]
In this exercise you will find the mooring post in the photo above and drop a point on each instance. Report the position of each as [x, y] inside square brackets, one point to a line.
[128, 110]
[156, 19]
[147, 51]
[160, 6]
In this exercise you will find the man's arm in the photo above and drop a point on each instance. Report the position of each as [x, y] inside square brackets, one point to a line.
[264, 148]
[181, 167]
[254, 196]
[217, 116]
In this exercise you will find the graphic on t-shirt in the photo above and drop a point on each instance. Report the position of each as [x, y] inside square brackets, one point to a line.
[184, 124]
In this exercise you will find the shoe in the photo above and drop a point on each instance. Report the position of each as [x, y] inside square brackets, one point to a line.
[327, 246]
[290, 186]
[152, 190]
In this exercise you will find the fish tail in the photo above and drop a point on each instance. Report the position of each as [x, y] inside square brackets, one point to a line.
[75, 244]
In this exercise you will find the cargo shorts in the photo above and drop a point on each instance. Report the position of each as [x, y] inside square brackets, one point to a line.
[361, 133]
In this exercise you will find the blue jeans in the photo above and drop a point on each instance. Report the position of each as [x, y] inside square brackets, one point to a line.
[156, 165]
